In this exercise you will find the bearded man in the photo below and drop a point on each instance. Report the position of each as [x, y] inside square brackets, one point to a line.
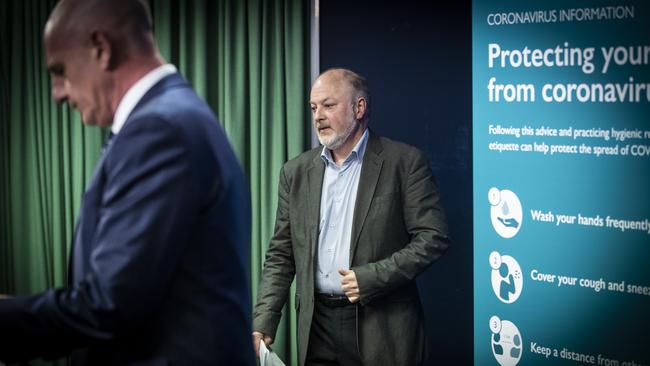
[357, 220]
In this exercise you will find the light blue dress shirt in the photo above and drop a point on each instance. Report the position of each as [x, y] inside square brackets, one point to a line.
[338, 199]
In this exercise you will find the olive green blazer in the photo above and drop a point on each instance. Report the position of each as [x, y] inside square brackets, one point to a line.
[399, 228]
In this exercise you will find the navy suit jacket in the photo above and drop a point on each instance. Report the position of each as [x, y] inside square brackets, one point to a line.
[158, 267]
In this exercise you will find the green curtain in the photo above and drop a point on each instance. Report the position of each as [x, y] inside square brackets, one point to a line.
[247, 59]
[47, 157]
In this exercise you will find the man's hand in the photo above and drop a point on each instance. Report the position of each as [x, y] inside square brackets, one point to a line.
[509, 222]
[349, 285]
[257, 336]
[2, 296]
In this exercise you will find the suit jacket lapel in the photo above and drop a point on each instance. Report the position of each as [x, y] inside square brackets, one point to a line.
[91, 200]
[86, 221]
[372, 163]
[315, 176]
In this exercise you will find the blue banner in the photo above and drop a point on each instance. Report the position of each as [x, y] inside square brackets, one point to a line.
[561, 141]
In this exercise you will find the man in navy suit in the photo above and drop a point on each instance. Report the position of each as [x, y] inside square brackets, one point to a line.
[158, 268]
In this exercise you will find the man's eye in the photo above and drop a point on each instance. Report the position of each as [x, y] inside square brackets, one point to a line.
[57, 70]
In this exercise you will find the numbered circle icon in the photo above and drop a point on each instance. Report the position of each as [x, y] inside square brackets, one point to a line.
[505, 212]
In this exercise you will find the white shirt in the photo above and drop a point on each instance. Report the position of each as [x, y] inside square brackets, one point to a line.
[338, 199]
[136, 92]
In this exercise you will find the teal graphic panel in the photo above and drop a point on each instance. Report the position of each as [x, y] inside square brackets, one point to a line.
[561, 148]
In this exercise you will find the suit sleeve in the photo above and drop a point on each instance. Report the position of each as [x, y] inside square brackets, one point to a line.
[279, 267]
[427, 227]
[147, 211]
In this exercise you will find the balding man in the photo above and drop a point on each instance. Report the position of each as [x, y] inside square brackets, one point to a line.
[357, 221]
[157, 273]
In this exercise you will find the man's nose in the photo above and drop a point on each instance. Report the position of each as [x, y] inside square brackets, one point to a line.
[59, 95]
[58, 92]
[318, 114]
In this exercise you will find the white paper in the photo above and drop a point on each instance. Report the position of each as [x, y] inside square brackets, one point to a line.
[264, 353]
[268, 358]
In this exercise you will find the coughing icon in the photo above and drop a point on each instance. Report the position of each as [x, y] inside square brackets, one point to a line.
[507, 278]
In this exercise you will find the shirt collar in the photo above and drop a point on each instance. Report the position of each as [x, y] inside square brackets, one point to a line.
[136, 92]
[358, 151]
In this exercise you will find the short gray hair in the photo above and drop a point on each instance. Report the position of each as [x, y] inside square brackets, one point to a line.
[359, 86]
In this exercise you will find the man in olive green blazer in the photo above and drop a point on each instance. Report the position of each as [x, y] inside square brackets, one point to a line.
[398, 229]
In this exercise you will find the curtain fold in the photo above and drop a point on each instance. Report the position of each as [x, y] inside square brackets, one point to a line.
[248, 59]
[47, 157]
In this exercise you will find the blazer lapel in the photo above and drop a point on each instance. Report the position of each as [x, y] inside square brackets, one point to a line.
[372, 163]
[91, 201]
[86, 222]
[315, 176]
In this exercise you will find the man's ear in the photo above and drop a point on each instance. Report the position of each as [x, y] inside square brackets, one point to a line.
[102, 50]
[360, 110]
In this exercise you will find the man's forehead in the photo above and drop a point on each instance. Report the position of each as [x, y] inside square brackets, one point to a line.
[332, 79]
[57, 41]
[329, 88]
[53, 52]
[57, 53]
[64, 27]
[322, 95]
[52, 37]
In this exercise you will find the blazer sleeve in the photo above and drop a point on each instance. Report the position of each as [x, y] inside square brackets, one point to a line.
[279, 267]
[147, 212]
[427, 228]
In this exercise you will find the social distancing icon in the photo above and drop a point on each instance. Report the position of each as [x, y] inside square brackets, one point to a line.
[506, 342]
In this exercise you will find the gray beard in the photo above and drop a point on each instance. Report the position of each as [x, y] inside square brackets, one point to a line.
[338, 140]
